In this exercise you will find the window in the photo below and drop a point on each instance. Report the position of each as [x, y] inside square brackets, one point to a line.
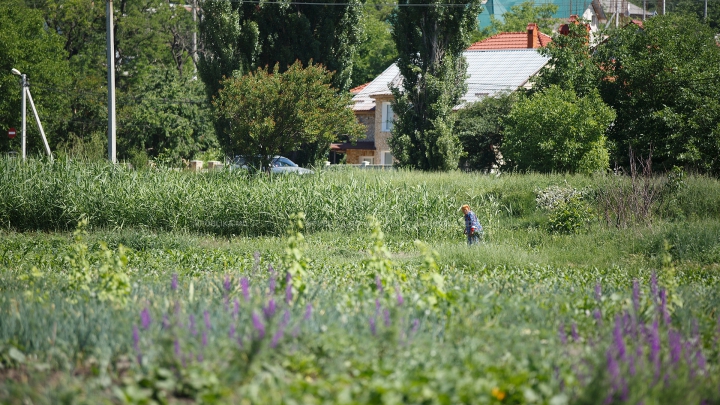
[368, 159]
[387, 117]
[387, 158]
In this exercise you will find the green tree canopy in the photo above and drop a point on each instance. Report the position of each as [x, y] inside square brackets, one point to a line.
[556, 130]
[27, 45]
[664, 82]
[430, 38]
[274, 112]
[480, 129]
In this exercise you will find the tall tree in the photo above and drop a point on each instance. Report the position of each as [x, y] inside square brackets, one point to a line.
[26, 45]
[430, 36]
[664, 82]
[376, 50]
[519, 16]
[273, 112]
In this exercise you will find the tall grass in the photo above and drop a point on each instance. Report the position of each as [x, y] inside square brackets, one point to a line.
[45, 196]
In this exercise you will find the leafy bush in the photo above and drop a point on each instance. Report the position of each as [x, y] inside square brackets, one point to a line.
[556, 131]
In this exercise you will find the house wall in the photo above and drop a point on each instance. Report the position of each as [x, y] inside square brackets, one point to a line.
[381, 137]
[353, 155]
[367, 118]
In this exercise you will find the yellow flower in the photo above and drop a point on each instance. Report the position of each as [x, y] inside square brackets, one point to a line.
[499, 395]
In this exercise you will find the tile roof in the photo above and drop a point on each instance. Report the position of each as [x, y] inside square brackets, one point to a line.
[489, 72]
[508, 40]
[358, 89]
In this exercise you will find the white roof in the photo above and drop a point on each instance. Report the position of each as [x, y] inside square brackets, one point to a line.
[489, 72]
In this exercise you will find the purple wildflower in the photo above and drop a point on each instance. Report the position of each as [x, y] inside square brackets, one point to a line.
[271, 283]
[277, 336]
[204, 338]
[258, 325]
[177, 348]
[136, 338]
[598, 316]
[574, 332]
[386, 316]
[700, 360]
[400, 299]
[378, 283]
[614, 372]
[231, 333]
[288, 291]
[206, 318]
[308, 312]
[226, 283]
[653, 284]
[145, 318]
[236, 308]
[618, 339]
[245, 286]
[174, 282]
[377, 305]
[192, 325]
[675, 343]
[663, 307]
[415, 326]
[286, 317]
[655, 347]
[598, 292]
[372, 325]
[269, 310]
[561, 334]
[636, 296]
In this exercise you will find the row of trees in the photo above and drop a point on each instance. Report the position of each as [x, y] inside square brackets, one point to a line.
[652, 88]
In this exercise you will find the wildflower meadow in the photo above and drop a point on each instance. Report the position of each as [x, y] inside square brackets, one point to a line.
[356, 287]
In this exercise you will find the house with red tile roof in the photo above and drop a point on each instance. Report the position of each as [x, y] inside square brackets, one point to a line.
[501, 63]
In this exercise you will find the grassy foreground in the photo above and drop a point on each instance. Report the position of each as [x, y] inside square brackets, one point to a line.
[181, 314]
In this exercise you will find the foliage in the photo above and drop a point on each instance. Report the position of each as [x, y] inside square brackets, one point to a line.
[558, 130]
[571, 66]
[430, 41]
[101, 276]
[294, 263]
[480, 129]
[27, 46]
[276, 112]
[663, 82]
[568, 209]
[519, 16]
[376, 51]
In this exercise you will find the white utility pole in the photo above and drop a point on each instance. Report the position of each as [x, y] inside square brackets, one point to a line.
[194, 38]
[110, 39]
[25, 96]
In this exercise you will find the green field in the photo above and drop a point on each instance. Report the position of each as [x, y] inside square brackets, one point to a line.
[177, 290]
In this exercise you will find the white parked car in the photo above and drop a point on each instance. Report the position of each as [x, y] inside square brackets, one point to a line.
[279, 164]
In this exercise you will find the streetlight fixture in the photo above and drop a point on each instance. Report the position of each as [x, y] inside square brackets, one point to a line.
[26, 95]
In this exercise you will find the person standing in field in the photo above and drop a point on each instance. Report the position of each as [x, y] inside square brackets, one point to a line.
[473, 229]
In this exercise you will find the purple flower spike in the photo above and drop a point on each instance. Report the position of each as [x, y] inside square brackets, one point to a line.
[415, 326]
[574, 332]
[618, 339]
[271, 284]
[236, 308]
[400, 299]
[136, 338]
[377, 305]
[206, 318]
[598, 292]
[561, 334]
[386, 316]
[308, 312]
[226, 283]
[372, 326]
[378, 283]
[636, 296]
[231, 334]
[174, 282]
[286, 318]
[145, 318]
[177, 348]
[245, 286]
[675, 343]
[269, 310]
[277, 336]
[204, 338]
[653, 284]
[288, 293]
[701, 362]
[258, 325]
[192, 325]
[598, 316]
[663, 307]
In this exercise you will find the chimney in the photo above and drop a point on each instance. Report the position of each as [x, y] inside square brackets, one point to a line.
[532, 36]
